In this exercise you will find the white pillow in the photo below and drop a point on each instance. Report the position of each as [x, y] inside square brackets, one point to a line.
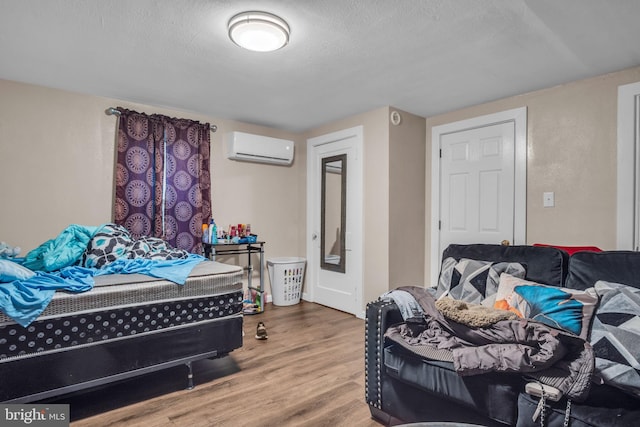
[10, 271]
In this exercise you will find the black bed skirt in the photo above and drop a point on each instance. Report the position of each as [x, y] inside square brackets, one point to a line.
[43, 376]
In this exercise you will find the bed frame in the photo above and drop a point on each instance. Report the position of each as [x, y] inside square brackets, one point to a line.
[118, 331]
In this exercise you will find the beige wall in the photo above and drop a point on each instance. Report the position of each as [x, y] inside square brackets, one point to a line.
[394, 192]
[406, 201]
[571, 150]
[376, 195]
[57, 154]
[56, 162]
[56, 168]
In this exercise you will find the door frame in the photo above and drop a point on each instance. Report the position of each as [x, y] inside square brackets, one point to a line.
[356, 243]
[628, 179]
[519, 118]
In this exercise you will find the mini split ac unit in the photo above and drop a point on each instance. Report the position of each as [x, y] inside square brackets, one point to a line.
[256, 148]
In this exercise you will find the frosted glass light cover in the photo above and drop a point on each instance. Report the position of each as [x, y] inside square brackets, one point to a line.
[258, 31]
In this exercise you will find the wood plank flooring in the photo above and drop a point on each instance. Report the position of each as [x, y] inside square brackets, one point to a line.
[310, 372]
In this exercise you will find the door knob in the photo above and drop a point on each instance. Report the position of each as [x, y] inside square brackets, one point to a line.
[505, 243]
[314, 236]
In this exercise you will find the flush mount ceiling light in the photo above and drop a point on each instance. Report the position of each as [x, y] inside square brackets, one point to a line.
[258, 31]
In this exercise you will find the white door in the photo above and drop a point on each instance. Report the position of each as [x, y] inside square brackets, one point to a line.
[476, 181]
[628, 197]
[481, 182]
[334, 264]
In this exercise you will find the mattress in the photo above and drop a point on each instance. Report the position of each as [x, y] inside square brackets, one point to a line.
[124, 305]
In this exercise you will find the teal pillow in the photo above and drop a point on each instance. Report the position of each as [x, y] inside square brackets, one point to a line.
[563, 308]
[10, 271]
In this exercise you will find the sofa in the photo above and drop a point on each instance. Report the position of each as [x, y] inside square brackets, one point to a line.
[402, 386]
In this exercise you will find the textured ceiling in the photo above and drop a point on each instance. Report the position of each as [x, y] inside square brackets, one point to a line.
[345, 56]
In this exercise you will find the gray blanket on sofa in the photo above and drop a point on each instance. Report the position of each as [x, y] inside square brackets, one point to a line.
[549, 355]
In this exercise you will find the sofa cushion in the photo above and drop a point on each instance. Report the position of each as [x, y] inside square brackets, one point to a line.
[581, 414]
[543, 264]
[615, 336]
[493, 395]
[473, 280]
[568, 309]
[586, 268]
[571, 249]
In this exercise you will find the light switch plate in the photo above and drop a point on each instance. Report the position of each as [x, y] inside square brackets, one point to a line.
[548, 199]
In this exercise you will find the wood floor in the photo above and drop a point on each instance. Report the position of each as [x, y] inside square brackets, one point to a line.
[310, 372]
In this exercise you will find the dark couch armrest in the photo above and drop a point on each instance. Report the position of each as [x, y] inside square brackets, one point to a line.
[379, 316]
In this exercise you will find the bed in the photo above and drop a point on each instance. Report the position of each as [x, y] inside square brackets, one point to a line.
[126, 325]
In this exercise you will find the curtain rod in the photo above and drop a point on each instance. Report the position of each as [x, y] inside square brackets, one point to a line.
[115, 112]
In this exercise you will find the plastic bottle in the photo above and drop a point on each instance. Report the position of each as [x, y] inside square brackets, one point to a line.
[214, 232]
[205, 233]
[211, 223]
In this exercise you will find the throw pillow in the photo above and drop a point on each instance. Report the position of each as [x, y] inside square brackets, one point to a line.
[473, 280]
[109, 243]
[563, 308]
[10, 271]
[615, 336]
[155, 248]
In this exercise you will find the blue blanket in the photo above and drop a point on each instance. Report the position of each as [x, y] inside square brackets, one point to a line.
[62, 251]
[25, 300]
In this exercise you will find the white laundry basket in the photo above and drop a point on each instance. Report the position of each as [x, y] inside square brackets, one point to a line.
[286, 275]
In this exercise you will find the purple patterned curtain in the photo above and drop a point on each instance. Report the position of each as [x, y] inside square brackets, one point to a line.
[162, 178]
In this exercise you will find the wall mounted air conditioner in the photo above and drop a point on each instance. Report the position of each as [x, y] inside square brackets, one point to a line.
[256, 148]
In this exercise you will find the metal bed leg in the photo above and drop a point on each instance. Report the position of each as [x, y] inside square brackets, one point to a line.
[189, 376]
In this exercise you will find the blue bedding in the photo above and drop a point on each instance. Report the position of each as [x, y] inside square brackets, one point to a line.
[25, 300]
[62, 251]
[56, 264]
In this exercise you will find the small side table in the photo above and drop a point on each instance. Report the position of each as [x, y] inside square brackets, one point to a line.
[238, 249]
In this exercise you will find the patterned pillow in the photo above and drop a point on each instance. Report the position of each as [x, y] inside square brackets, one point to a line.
[473, 281]
[108, 244]
[563, 308]
[615, 336]
[155, 248]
